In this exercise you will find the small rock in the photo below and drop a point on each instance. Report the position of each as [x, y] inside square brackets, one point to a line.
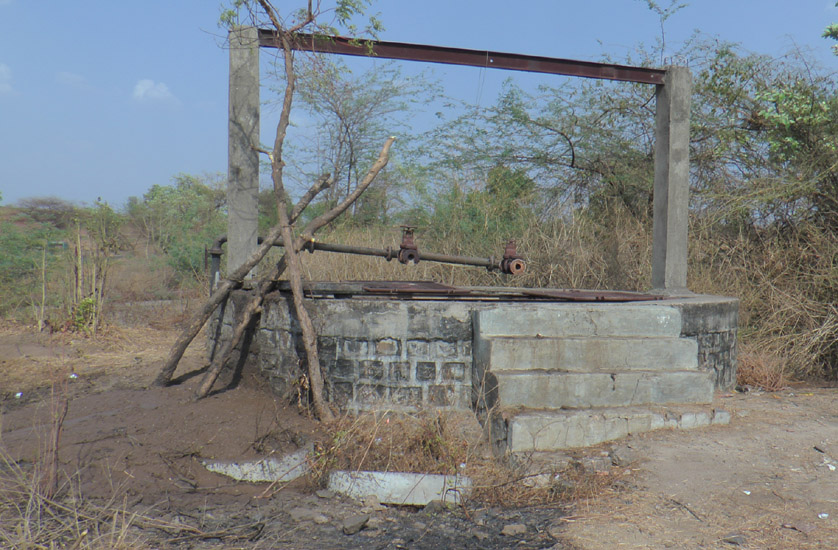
[420, 526]
[480, 535]
[372, 504]
[325, 493]
[538, 481]
[514, 529]
[375, 523]
[435, 507]
[734, 539]
[303, 514]
[320, 519]
[622, 455]
[353, 524]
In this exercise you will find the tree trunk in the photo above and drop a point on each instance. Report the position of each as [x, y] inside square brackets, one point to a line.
[253, 307]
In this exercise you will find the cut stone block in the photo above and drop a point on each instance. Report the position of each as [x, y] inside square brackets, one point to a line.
[400, 488]
[286, 468]
[584, 320]
[556, 430]
[592, 354]
[556, 390]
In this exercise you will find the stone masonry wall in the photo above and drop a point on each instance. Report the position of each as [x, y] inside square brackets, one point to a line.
[712, 321]
[376, 353]
[405, 355]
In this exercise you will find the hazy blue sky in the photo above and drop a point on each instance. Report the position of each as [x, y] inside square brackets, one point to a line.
[106, 98]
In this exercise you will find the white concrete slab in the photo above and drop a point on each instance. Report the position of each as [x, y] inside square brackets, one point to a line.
[283, 469]
[400, 488]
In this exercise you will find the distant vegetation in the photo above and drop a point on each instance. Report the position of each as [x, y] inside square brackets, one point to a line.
[566, 170]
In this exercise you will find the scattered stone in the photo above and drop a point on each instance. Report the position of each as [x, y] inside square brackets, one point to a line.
[325, 493]
[435, 507]
[622, 455]
[555, 530]
[538, 480]
[305, 514]
[480, 535]
[597, 464]
[320, 519]
[734, 539]
[479, 517]
[375, 523]
[371, 504]
[353, 524]
[514, 530]
[420, 526]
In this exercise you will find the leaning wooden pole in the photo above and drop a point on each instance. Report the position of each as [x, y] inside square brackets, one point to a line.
[199, 319]
[253, 307]
[231, 283]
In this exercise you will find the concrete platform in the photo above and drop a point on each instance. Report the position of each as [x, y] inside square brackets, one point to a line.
[591, 354]
[557, 390]
[556, 430]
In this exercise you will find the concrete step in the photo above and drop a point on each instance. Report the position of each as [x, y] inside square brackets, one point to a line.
[555, 430]
[556, 390]
[579, 320]
[594, 354]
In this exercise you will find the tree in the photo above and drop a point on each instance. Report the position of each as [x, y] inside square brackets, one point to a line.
[181, 218]
[832, 32]
[350, 112]
[282, 232]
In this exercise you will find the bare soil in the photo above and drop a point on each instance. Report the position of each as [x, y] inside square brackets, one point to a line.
[769, 480]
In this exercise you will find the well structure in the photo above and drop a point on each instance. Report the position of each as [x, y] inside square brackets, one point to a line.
[540, 374]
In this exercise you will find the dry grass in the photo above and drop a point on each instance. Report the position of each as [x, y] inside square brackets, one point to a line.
[787, 281]
[761, 370]
[31, 519]
[787, 284]
[433, 442]
[436, 442]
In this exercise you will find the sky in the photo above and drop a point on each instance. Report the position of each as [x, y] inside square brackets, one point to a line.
[103, 99]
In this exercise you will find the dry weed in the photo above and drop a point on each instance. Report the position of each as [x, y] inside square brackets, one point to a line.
[502, 484]
[436, 442]
[30, 519]
[761, 370]
[433, 442]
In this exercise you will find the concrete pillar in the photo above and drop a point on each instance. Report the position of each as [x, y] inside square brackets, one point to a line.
[672, 182]
[243, 135]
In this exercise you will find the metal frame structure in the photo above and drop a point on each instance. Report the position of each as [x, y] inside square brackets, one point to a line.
[459, 56]
[672, 120]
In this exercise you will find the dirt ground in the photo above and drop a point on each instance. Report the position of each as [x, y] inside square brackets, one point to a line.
[769, 480]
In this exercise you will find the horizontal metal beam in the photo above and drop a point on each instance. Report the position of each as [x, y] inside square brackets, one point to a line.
[459, 56]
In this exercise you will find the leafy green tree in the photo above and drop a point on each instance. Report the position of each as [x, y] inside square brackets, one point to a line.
[26, 252]
[832, 32]
[181, 219]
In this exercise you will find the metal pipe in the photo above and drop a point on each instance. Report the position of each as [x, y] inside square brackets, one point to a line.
[389, 253]
[509, 265]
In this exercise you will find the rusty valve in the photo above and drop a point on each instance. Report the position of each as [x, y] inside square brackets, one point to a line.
[512, 263]
[408, 252]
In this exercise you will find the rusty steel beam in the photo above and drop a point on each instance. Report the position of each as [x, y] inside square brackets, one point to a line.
[459, 56]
